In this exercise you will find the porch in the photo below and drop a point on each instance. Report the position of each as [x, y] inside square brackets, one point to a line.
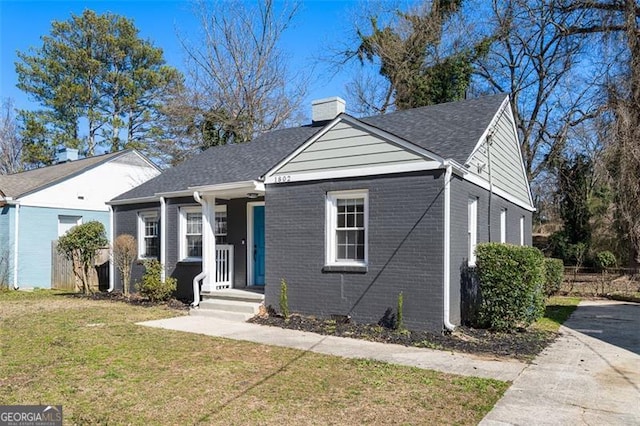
[232, 240]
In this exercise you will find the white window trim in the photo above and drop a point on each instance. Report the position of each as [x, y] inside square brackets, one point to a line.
[331, 223]
[472, 229]
[142, 215]
[182, 230]
[503, 225]
[182, 233]
[521, 230]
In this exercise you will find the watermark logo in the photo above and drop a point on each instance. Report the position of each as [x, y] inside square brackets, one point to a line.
[30, 415]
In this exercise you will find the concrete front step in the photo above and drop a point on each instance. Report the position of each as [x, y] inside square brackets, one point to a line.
[230, 306]
[234, 294]
[234, 305]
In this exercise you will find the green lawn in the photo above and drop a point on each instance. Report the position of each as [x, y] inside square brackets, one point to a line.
[557, 311]
[90, 357]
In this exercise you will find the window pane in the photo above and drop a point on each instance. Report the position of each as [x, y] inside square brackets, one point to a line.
[194, 223]
[151, 247]
[194, 245]
[350, 229]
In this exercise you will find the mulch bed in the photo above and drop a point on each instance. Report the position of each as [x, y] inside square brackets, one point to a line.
[522, 345]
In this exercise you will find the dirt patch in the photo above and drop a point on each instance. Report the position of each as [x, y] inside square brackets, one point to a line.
[523, 345]
[133, 299]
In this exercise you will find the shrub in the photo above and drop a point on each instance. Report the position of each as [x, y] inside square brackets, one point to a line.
[511, 285]
[284, 299]
[80, 245]
[554, 273]
[152, 285]
[400, 319]
[605, 259]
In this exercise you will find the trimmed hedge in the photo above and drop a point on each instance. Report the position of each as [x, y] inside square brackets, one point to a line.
[554, 273]
[511, 285]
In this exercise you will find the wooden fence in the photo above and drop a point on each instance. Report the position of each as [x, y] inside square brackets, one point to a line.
[63, 278]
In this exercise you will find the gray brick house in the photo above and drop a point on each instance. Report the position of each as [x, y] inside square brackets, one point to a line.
[349, 211]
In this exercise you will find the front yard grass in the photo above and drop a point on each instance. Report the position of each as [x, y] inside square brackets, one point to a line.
[557, 311]
[92, 358]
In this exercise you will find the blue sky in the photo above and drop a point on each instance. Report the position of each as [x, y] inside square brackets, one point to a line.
[319, 25]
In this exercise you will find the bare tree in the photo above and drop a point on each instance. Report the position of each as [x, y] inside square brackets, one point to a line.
[616, 23]
[10, 142]
[534, 60]
[125, 252]
[239, 81]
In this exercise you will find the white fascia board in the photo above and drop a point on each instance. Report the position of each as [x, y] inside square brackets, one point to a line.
[150, 199]
[146, 160]
[491, 125]
[252, 185]
[356, 172]
[477, 180]
[524, 173]
[27, 203]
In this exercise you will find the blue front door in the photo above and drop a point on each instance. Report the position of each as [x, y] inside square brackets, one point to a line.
[258, 245]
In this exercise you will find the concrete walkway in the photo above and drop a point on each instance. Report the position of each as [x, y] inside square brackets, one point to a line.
[448, 362]
[589, 376]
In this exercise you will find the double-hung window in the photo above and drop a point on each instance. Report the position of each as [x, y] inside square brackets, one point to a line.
[190, 233]
[148, 235]
[346, 228]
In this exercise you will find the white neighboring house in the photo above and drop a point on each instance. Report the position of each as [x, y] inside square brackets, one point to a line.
[38, 206]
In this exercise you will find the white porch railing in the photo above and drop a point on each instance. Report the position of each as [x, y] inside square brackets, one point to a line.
[224, 267]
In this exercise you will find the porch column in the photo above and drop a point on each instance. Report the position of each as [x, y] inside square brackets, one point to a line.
[209, 242]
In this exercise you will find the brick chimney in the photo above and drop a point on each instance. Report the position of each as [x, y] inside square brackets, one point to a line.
[323, 110]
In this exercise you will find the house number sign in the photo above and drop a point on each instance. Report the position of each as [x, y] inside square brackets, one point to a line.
[283, 179]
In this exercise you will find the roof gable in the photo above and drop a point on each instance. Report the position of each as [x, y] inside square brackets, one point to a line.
[347, 143]
[20, 184]
[497, 158]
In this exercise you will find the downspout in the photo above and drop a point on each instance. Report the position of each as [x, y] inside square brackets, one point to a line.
[16, 236]
[163, 240]
[202, 275]
[112, 233]
[489, 142]
[447, 248]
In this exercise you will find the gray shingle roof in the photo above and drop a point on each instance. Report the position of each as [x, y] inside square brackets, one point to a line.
[226, 163]
[19, 184]
[450, 130]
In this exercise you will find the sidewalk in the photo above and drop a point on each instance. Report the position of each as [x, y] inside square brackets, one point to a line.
[447, 362]
[589, 376]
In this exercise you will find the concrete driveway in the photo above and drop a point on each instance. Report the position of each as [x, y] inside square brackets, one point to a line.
[589, 376]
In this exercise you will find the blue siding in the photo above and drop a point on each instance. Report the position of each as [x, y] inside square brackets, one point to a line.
[7, 214]
[38, 228]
